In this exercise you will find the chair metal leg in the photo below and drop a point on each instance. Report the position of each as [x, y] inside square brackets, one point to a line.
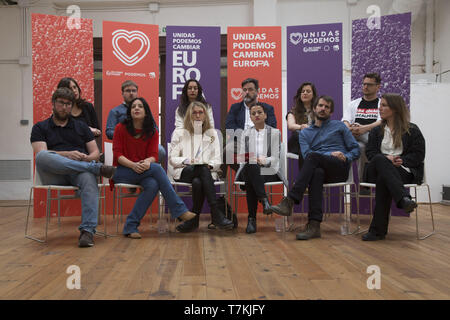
[417, 216]
[47, 218]
[49, 205]
[27, 220]
[58, 195]
[358, 208]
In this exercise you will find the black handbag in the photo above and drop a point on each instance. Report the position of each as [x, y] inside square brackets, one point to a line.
[222, 203]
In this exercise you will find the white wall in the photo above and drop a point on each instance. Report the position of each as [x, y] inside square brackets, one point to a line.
[428, 99]
[442, 38]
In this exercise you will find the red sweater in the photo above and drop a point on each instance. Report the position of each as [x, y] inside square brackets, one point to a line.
[124, 144]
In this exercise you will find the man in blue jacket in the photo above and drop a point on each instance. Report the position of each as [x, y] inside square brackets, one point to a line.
[328, 148]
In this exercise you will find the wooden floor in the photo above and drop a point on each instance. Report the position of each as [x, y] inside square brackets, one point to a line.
[210, 264]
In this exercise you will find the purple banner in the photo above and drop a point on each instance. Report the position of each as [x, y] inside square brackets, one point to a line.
[386, 50]
[383, 47]
[314, 54]
[192, 52]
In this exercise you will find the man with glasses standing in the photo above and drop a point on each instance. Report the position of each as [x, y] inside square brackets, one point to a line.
[362, 114]
[66, 154]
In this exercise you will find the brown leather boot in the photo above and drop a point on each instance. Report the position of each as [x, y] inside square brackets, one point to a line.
[312, 230]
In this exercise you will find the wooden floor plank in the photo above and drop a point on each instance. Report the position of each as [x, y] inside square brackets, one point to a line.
[231, 265]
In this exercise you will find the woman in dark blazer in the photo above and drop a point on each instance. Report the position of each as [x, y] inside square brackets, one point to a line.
[396, 151]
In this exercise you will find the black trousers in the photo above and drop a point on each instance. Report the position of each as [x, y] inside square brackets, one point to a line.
[294, 147]
[389, 182]
[202, 186]
[317, 169]
[254, 186]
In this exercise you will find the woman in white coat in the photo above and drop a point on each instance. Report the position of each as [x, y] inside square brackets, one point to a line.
[195, 156]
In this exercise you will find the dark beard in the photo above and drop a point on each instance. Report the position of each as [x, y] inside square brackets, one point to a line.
[322, 118]
[59, 118]
[249, 100]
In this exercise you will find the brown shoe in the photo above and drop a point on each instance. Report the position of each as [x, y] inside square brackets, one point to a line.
[311, 231]
[134, 235]
[107, 171]
[187, 216]
[284, 208]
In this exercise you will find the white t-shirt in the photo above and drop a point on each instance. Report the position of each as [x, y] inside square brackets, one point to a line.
[248, 120]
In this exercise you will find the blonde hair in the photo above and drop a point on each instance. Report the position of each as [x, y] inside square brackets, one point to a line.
[188, 122]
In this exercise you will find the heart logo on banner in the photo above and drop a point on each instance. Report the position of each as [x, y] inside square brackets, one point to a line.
[295, 38]
[130, 36]
[236, 93]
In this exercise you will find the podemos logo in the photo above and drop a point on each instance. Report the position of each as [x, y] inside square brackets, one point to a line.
[236, 93]
[130, 36]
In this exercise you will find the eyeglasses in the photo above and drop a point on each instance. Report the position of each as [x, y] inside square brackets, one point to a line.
[60, 103]
[197, 113]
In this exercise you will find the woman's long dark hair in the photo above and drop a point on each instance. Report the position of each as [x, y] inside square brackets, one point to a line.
[149, 125]
[184, 99]
[299, 109]
[65, 83]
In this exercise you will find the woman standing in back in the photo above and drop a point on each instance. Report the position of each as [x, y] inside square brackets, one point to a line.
[81, 109]
[300, 116]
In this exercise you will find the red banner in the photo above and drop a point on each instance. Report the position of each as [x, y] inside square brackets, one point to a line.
[255, 52]
[130, 52]
[59, 49]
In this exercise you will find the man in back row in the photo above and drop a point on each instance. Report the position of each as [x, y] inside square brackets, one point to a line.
[238, 117]
[119, 113]
[66, 154]
[362, 114]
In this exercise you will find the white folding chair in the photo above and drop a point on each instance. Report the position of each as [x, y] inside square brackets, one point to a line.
[119, 188]
[37, 184]
[344, 191]
[424, 184]
[235, 193]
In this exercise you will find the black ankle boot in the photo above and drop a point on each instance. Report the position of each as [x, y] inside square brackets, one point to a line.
[407, 204]
[266, 206]
[189, 225]
[219, 220]
[251, 226]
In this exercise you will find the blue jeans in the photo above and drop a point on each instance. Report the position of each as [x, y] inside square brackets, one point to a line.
[59, 170]
[161, 154]
[153, 180]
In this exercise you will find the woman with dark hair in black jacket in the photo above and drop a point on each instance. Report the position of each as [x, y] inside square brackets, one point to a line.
[396, 151]
[81, 109]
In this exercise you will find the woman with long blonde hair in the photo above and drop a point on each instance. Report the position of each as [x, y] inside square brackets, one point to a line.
[396, 151]
[196, 158]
